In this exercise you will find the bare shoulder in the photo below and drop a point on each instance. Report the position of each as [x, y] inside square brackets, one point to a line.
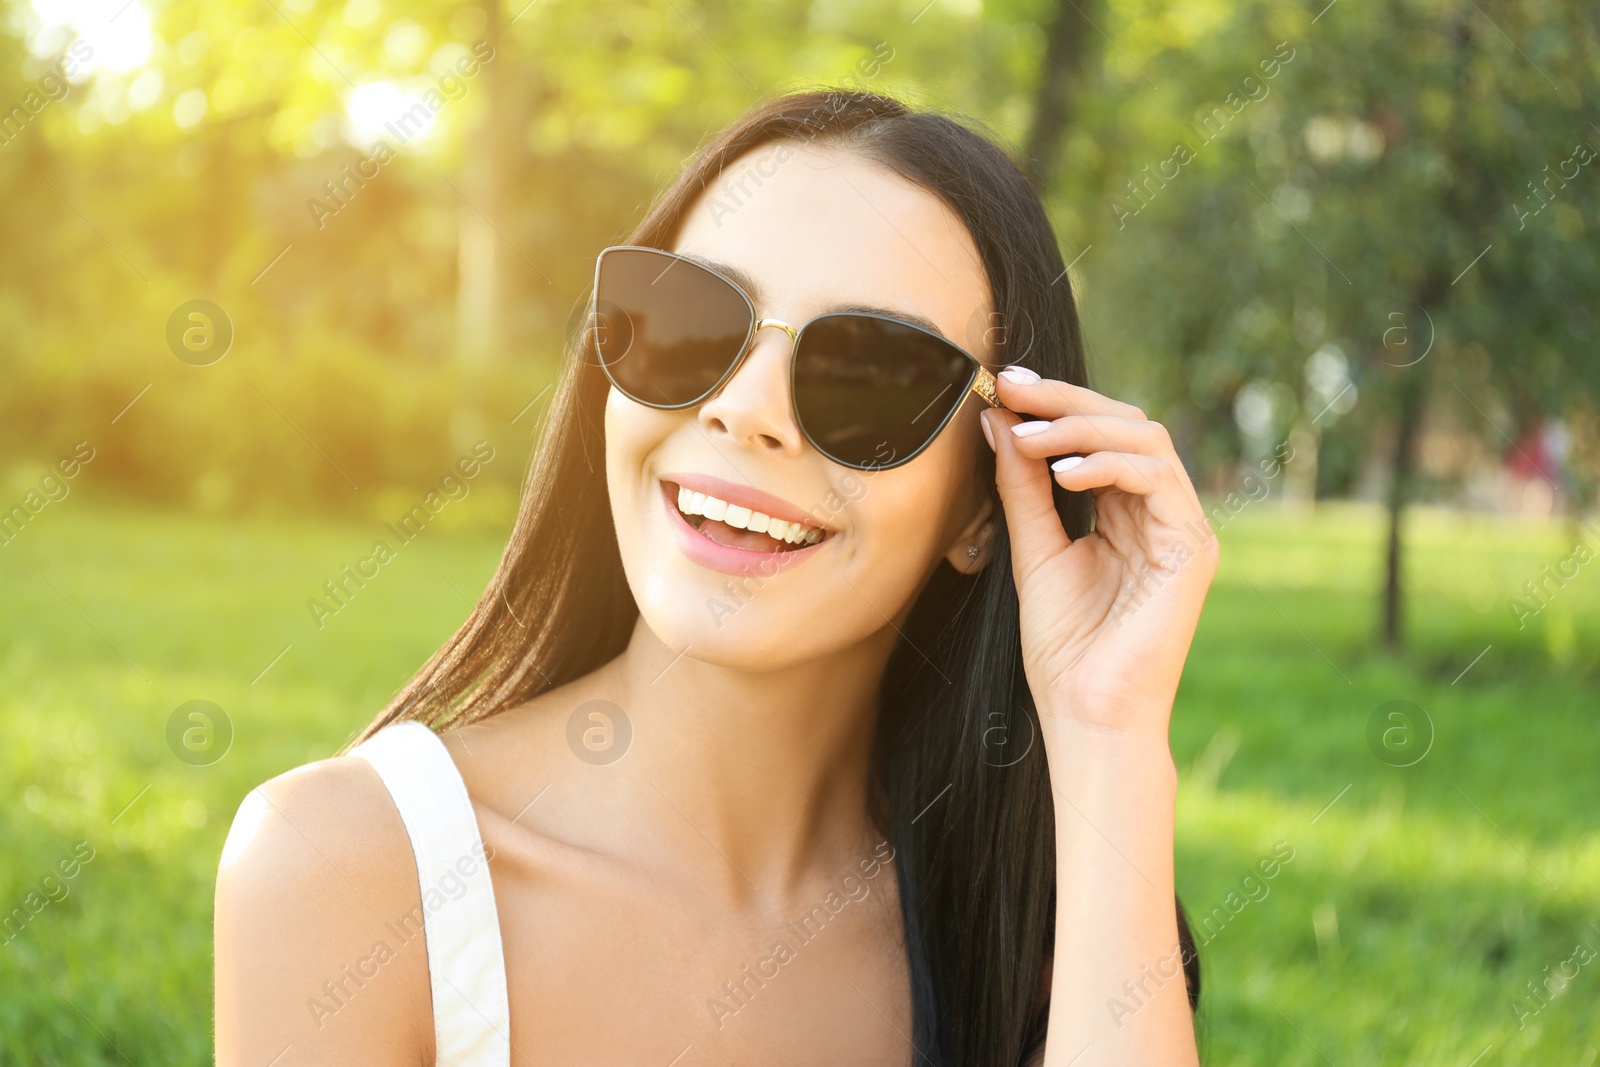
[316, 869]
[329, 823]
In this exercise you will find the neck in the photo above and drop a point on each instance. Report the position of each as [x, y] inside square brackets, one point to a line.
[768, 767]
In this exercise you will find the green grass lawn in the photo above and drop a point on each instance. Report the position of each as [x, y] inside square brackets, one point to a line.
[1419, 905]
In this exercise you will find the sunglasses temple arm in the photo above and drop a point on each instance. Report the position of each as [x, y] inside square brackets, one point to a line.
[984, 386]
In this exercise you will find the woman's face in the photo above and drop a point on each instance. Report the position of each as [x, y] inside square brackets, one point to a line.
[816, 229]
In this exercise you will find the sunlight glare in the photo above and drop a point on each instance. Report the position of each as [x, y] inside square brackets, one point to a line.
[119, 31]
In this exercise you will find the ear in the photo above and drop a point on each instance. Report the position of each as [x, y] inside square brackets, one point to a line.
[978, 533]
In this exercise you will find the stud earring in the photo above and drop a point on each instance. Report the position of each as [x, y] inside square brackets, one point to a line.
[972, 551]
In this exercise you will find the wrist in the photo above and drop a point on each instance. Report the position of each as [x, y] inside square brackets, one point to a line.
[1086, 755]
[1130, 731]
[1128, 713]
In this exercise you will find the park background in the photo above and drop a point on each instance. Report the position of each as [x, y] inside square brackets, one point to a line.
[1360, 233]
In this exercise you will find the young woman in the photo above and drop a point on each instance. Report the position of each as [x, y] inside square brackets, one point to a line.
[806, 720]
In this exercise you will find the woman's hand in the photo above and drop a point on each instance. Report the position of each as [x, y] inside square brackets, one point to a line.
[1106, 625]
[1106, 619]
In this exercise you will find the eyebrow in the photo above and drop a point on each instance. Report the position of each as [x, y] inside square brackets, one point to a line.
[751, 287]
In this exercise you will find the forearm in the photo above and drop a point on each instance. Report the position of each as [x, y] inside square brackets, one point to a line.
[1117, 988]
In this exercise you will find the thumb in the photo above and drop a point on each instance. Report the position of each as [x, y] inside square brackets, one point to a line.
[1025, 492]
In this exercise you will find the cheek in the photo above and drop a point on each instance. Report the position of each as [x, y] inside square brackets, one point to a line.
[909, 515]
[617, 431]
[620, 456]
[632, 432]
[900, 537]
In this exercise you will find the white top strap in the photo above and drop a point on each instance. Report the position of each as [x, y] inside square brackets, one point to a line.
[466, 960]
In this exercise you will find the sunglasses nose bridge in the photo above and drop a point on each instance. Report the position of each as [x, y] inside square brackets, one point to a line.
[762, 324]
[744, 404]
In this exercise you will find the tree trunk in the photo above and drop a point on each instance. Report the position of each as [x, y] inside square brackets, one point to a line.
[480, 274]
[1060, 84]
[1408, 421]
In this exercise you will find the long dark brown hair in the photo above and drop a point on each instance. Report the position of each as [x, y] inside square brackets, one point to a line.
[971, 820]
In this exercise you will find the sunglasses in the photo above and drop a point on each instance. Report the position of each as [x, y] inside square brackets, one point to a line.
[870, 392]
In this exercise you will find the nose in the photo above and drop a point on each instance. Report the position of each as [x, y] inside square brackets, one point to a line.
[754, 411]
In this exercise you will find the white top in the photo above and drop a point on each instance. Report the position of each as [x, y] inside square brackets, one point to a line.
[466, 960]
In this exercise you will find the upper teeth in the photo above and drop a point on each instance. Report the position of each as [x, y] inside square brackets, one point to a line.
[693, 503]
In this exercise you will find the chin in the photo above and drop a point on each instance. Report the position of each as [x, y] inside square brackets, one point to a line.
[759, 630]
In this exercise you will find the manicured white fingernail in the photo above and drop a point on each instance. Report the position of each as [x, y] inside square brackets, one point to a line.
[1028, 429]
[1066, 463]
[988, 434]
[1019, 375]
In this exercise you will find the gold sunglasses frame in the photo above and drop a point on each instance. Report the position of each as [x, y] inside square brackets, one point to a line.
[982, 385]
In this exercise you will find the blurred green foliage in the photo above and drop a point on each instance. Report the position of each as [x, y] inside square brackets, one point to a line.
[1240, 186]
[1414, 911]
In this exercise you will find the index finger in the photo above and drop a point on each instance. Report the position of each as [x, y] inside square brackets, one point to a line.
[1022, 390]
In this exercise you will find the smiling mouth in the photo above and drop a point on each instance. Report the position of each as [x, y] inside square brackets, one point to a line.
[734, 526]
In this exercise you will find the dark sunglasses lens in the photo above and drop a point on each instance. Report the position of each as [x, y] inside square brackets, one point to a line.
[871, 392]
[666, 329]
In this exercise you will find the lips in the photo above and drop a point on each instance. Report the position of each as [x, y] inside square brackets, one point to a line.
[737, 529]
[746, 496]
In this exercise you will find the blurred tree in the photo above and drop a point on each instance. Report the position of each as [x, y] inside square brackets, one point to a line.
[1272, 210]
[1069, 52]
[1392, 182]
